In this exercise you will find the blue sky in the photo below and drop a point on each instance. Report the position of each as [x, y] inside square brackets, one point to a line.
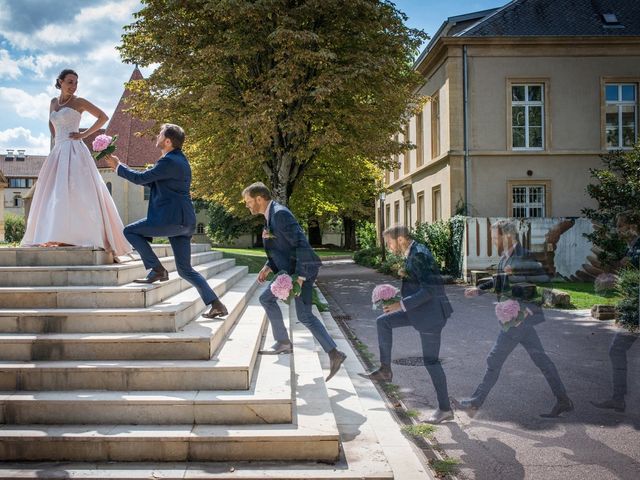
[38, 38]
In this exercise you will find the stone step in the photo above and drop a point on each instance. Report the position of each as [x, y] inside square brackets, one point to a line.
[83, 275]
[269, 400]
[311, 436]
[50, 256]
[124, 296]
[167, 316]
[230, 369]
[196, 341]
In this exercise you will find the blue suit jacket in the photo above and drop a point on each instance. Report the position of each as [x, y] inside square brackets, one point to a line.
[422, 290]
[170, 183]
[287, 246]
[524, 268]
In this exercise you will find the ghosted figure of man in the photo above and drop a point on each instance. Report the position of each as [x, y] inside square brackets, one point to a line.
[423, 306]
[623, 339]
[516, 266]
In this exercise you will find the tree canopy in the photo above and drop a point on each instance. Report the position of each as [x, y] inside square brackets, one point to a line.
[275, 89]
[616, 189]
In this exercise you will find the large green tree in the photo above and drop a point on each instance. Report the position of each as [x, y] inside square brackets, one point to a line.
[265, 88]
[616, 189]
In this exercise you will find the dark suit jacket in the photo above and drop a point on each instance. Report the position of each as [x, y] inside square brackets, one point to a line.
[170, 183]
[524, 268]
[288, 248]
[423, 296]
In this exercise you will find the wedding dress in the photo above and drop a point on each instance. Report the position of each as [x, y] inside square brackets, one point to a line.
[71, 203]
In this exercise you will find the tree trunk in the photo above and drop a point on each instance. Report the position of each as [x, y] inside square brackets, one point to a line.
[349, 225]
[315, 235]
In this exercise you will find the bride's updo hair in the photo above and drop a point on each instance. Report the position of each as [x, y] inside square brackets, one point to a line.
[64, 73]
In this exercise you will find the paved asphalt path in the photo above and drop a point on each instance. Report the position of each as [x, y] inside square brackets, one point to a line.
[507, 439]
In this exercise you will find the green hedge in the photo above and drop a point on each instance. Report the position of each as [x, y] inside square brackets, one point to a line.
[628, 307]
[444, 239]
[14, 227]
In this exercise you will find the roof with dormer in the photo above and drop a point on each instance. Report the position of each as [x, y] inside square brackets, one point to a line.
[133, 148]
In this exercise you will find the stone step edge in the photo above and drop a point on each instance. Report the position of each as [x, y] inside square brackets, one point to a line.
[224, 360]
[61, 404]
[200, 329]
[167, 306]
[126, 288]
[117, 267]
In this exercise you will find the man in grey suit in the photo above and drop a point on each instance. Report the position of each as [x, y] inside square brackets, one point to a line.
[423, 306]
[288, 251]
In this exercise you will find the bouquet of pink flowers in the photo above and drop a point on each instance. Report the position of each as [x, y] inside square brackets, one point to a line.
[510, 314]
[103, 145]
[384, 294]
[285, 287]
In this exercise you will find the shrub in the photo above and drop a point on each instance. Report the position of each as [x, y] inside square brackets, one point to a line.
[628, 307]
[368, 257]
[14, 227]
[366, 235]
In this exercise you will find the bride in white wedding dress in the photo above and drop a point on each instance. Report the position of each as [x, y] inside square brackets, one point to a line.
[71, 204]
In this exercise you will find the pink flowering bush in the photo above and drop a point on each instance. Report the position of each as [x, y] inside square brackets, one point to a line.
[510, 314]
[103, 145]
[285, 287]
[384, 294]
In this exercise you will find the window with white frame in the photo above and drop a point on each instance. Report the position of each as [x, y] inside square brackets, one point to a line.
[528, 201]
[527, 117]
[621, 115]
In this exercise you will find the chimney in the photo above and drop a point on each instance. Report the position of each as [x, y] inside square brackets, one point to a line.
[9, 157]
[20, 156]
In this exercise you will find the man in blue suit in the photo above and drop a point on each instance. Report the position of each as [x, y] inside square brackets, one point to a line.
[170, 214]
[516, 266]
[288, 250]
[423, 306]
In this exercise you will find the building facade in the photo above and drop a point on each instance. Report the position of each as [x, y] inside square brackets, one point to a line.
[21, 172]
[522, 101]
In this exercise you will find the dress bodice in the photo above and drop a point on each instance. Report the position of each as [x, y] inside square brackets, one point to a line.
[65, 121]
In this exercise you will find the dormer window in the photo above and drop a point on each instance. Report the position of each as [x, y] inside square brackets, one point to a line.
[610, 20]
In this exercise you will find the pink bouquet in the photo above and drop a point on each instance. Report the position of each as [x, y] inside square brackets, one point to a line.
[384, 294]
[285, 287]
[510, 314]
[103, 145]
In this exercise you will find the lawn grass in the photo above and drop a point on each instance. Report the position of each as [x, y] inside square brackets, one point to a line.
[583, 294]
[254, 258]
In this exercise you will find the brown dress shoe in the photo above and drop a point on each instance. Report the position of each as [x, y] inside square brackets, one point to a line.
[154, 275]
[382, 374]
[336, 358]
[217, 310]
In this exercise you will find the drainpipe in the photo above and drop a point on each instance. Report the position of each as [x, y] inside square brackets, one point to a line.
[465, 126]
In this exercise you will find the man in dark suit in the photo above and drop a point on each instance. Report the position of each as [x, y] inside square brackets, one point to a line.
[516, 266]
[170, 214]
[288, 250]
[424, 306]
[623, 340]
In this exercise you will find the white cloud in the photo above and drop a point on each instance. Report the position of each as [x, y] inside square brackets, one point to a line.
[22, 138]
[89, 26]
[26, 105]
[9, 68]
[42, 64]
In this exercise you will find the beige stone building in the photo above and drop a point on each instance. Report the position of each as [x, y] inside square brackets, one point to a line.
[21, 171]
[523, 100]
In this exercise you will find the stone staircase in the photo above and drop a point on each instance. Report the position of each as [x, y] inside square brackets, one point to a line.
[98, 370]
